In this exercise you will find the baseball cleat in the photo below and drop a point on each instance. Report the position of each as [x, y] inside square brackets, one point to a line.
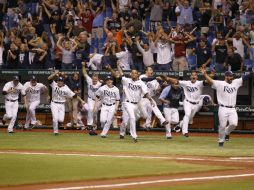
[135, 140]
[92, 133]
[11, 132]
[169, 138]
[221, 144]
[164, 123]
[227, 138]
[177, 128]
[186, 134]
[56, 134]
[121, 137]
[103, 136]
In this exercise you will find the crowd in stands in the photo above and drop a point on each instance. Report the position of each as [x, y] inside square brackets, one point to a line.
[174, 35]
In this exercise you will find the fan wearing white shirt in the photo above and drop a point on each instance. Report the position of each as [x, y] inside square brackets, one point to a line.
[226, 95]
[147, 53]
[11, 92]
[32, 94]
[192, 90]
[123, 58]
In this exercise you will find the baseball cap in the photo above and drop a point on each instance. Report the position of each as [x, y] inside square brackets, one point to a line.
[60, 79]
[16, 78]
[33, 78]
[109, 78]
[229, 73]
[206, 99]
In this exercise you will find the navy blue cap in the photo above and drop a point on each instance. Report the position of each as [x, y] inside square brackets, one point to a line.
[60, 79]
[109, 77]
[229, 73]
[33, 78]
[16, 78]
[206, 99]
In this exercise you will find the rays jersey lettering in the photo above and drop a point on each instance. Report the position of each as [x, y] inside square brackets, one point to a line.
[10, 86]
[108, 95]
[133, 91]
[32, 93]
[59, 94]
[91, 87]
[229, 89]
[227, 93]
[134, 87]
[192, 91]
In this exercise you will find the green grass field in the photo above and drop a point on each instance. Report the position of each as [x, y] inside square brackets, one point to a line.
[19, 169]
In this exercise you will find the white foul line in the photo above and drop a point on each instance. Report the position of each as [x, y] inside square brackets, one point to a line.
[153, 182]
[131, 156]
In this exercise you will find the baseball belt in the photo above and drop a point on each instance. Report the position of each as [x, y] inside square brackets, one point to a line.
[10, 100]
[108, 104]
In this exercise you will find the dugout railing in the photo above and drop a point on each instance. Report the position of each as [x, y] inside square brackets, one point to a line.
[245, 107]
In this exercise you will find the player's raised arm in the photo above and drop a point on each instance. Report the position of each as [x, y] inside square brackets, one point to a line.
[114, 74]
[169, 79]
[209, 80]
[53, 75]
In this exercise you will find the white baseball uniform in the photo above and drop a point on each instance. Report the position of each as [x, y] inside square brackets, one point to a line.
[192, 92]
[132, 94]
[109, 97]
[33, 96]
[226, 95]
[59, 96]
[81, 112]
[91, 99]
[11, 103]
[145, 106]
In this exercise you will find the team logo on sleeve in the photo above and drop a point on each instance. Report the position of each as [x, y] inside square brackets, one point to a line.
[229, 90]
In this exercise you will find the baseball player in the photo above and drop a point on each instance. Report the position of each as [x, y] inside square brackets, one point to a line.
[192, 90]
[133, 90]
[11, 91]
[110, 97]
[205, 100]
[93, 84]
[171, 97]
[226, 95]
[60, 92]
[31, 94]
[145, 106]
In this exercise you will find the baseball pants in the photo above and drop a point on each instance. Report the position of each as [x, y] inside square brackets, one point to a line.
[131, 110]
[189, 112]
[90, 113]
[30, 115]
[172, 116]
[106, 118]
[11, 109]
[146, 110]
[226, 116]
[58, 112]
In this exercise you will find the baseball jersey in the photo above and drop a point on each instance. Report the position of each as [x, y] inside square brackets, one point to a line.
[192, 91]
[172, 95]
[91, 87]
[14, 95]
[152, 86]
[33, 93]
[226, 93]
[133, 90]
[59, 94]
[108, 95]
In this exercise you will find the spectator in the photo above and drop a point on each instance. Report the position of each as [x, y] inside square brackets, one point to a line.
[23, 57]
[203, 55]
[12, 57]
[67, 52]
[156, 14]
[185, 16]
[233, 61]
[220, 49]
